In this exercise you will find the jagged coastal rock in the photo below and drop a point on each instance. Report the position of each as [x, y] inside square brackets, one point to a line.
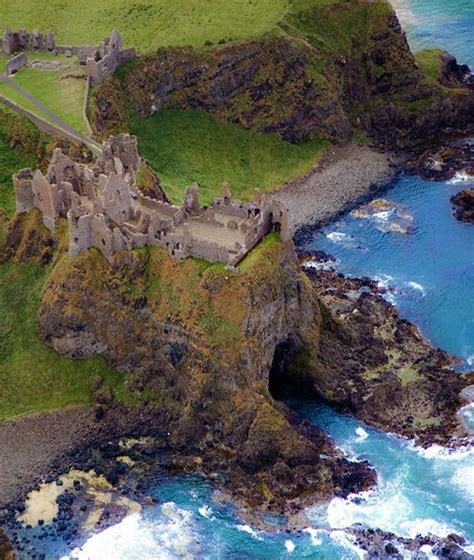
[463, 204]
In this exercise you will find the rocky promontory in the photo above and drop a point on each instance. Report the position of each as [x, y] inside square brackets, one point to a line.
[209, 349]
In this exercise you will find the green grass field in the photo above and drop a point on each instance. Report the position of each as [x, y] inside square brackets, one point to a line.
[58, 90]
[146, 24]
[32, 375]
[187, 146]
[10, 162]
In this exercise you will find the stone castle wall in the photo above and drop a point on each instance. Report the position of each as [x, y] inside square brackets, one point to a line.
[100, 61]
[105, 209]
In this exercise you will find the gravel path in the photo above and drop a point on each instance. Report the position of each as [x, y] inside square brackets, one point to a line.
[347, 174]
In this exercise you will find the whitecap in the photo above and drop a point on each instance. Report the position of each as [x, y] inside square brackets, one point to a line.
[439, 452]
[417, 287]
[171, 536]
[337, 236]
[205, 511]
[247, 529]
[383, 216]
[344, 540]
[362, 434]
[463, 479]
[428, 550]
[461, 177]
[290, 546]
[321, 265]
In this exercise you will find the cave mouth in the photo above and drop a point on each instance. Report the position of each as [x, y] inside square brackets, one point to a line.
[287, 378]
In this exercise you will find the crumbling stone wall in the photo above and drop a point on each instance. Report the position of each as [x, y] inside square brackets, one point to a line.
[14, 64]
[14, 41]
[103, 60]
[105, 209]
[100, 61]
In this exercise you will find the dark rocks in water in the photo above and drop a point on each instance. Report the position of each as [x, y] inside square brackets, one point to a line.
[377, 366]
[380, 544]
[442, 163]
[463, 203]
[6, 547]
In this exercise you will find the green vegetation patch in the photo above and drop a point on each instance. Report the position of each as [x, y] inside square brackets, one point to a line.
[187, 146]
[33, 377]
[61, 91]
[11, 161]
[146, 24]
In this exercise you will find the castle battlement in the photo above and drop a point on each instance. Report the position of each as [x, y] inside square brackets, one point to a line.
[106, 209]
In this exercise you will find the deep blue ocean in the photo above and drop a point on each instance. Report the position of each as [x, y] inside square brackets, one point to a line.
[430, 273]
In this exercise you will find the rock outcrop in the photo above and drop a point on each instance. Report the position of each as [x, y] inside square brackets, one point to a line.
[200, 341]
[463, 203]
[375, 365]
[335, 69]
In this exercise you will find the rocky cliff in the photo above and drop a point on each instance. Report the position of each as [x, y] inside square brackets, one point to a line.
[200, 340]
[329, 69]
[209, 351]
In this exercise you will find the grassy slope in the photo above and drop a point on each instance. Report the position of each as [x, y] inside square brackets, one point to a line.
[10, 162]
[46, 380]
[59, 90]
[146, 24]
[63, 95]
[187, 146]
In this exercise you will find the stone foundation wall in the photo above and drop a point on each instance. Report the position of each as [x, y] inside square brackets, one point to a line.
[14, 64]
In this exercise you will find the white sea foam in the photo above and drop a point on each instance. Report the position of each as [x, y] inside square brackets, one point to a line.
[137, 538]
[290, 546]
[321, 265]
[461, 177]
[428, 550]
[383, 216]
[387, 508]
[249, 530]
[417, 287]
[337, 236]
[343, 539]
[205, 511]
[444, 453]
[361, 433]
[463, 479]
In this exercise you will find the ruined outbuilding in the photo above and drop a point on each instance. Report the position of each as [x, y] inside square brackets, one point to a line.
[22, 40]
[100, 61]
[106, 209]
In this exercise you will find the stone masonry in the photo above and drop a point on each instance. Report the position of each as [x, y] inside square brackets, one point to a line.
[104, 59]
[105, 209]
[14, 41]
[100, 61]
[15, 63]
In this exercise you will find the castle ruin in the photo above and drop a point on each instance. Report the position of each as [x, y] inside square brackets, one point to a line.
[106, 209]
[100, 61]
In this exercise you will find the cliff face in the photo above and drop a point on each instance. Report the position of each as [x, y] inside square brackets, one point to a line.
[200, 340]
[329, 70]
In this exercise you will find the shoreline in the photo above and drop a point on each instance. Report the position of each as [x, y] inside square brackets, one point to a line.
[348, 176]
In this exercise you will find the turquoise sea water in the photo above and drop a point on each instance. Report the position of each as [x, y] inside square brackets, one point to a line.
[430, 273]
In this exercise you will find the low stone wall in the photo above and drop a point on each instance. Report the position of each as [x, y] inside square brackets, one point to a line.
[87, 124]
[14, 64]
